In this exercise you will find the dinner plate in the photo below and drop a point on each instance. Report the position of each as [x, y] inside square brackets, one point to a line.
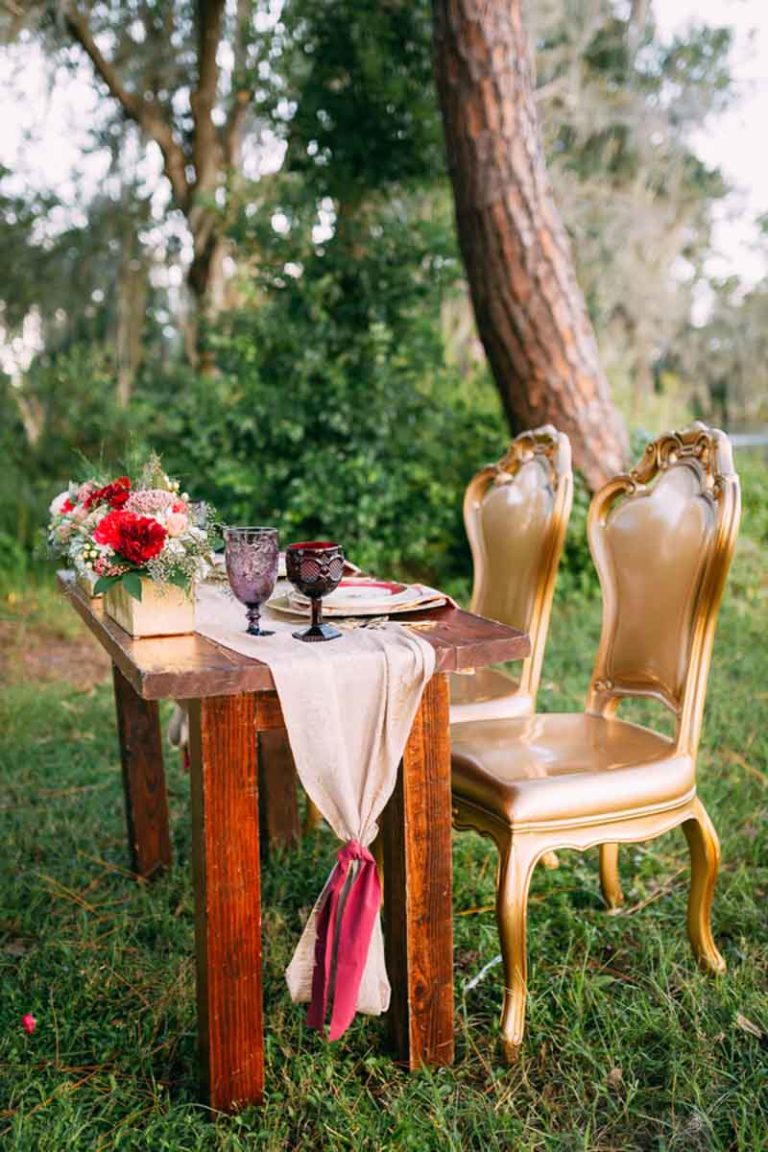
[422, 599]
[361, 592]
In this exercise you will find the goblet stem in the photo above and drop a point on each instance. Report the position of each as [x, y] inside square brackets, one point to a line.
[253, 611]
[317, 611]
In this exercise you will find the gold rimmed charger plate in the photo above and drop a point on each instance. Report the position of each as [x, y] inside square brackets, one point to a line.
[283, 606]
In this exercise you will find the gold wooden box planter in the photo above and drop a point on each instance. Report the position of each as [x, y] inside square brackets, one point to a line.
[164, 609]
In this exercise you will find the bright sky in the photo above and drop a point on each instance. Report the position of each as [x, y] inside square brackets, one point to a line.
[736, 140]
[42, 138]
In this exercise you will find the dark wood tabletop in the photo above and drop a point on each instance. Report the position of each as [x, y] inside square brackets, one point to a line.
[191, 666]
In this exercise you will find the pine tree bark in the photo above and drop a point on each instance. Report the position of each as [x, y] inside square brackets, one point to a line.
[530, 312]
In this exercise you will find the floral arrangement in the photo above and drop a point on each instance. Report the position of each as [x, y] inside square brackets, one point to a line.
[120, 531]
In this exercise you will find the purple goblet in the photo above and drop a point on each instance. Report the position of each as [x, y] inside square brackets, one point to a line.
[315, 568]
[252, 557]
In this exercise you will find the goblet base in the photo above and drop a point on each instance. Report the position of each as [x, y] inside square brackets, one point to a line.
[258, 631]
[318, 632]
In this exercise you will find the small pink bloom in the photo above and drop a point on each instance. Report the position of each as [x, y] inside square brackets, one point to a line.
[150, 501]
[28, 1023]
[176, 523]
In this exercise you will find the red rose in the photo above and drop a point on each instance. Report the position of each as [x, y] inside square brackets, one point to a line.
[115, 494]
[135, 538]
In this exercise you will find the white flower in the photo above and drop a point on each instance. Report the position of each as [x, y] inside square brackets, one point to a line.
[58, 503]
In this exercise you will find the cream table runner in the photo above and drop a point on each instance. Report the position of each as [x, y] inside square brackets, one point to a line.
[348, 706]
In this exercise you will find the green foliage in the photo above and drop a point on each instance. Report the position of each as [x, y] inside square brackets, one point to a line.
[753, 473]
[334, 413]
[73, 417]
[360, 75]
[14, 562]
[130, 580]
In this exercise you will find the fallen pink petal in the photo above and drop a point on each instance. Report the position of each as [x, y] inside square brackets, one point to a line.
[29, 1023]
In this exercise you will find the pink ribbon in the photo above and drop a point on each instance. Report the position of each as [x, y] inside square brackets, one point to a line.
[341, 945]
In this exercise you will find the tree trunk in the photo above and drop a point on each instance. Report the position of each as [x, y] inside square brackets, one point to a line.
[530, 312]
[206, 282]
[132, 292]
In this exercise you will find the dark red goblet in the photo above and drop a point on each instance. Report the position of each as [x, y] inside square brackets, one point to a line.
[315, 567]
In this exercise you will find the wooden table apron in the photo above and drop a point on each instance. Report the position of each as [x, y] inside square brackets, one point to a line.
[242, 792]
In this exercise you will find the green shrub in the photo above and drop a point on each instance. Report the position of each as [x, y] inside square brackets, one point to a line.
[362, 444]
[72, 404]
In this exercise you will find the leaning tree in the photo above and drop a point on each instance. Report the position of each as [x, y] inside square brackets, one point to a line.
[530, 312]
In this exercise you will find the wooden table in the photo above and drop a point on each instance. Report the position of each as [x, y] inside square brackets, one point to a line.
[235, 721]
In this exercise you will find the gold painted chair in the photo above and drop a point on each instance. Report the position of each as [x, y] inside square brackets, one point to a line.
[662, 537]
[516, 515]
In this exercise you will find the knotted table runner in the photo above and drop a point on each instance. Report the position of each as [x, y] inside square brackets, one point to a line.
[348, 707]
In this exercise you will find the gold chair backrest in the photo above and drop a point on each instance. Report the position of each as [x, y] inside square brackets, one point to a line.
[662, 537]
[516, 515]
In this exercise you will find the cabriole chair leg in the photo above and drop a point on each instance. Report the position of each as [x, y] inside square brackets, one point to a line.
[704, 848]
[516, 867]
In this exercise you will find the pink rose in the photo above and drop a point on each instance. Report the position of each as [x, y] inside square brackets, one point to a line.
[28, 1023]
[176, 523]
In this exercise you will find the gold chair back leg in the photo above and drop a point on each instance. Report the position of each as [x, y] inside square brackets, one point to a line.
[609, 876]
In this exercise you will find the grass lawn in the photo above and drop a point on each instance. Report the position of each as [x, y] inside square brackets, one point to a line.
[628, 1046]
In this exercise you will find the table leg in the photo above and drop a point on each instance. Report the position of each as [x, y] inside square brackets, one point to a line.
[278, 800]
[225, 846]
[141, 756]
[418, 918]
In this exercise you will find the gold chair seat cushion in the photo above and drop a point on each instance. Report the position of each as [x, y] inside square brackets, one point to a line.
[567, 768]
[487, 694]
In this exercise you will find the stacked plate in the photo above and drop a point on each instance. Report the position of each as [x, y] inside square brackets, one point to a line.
[363, 596]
